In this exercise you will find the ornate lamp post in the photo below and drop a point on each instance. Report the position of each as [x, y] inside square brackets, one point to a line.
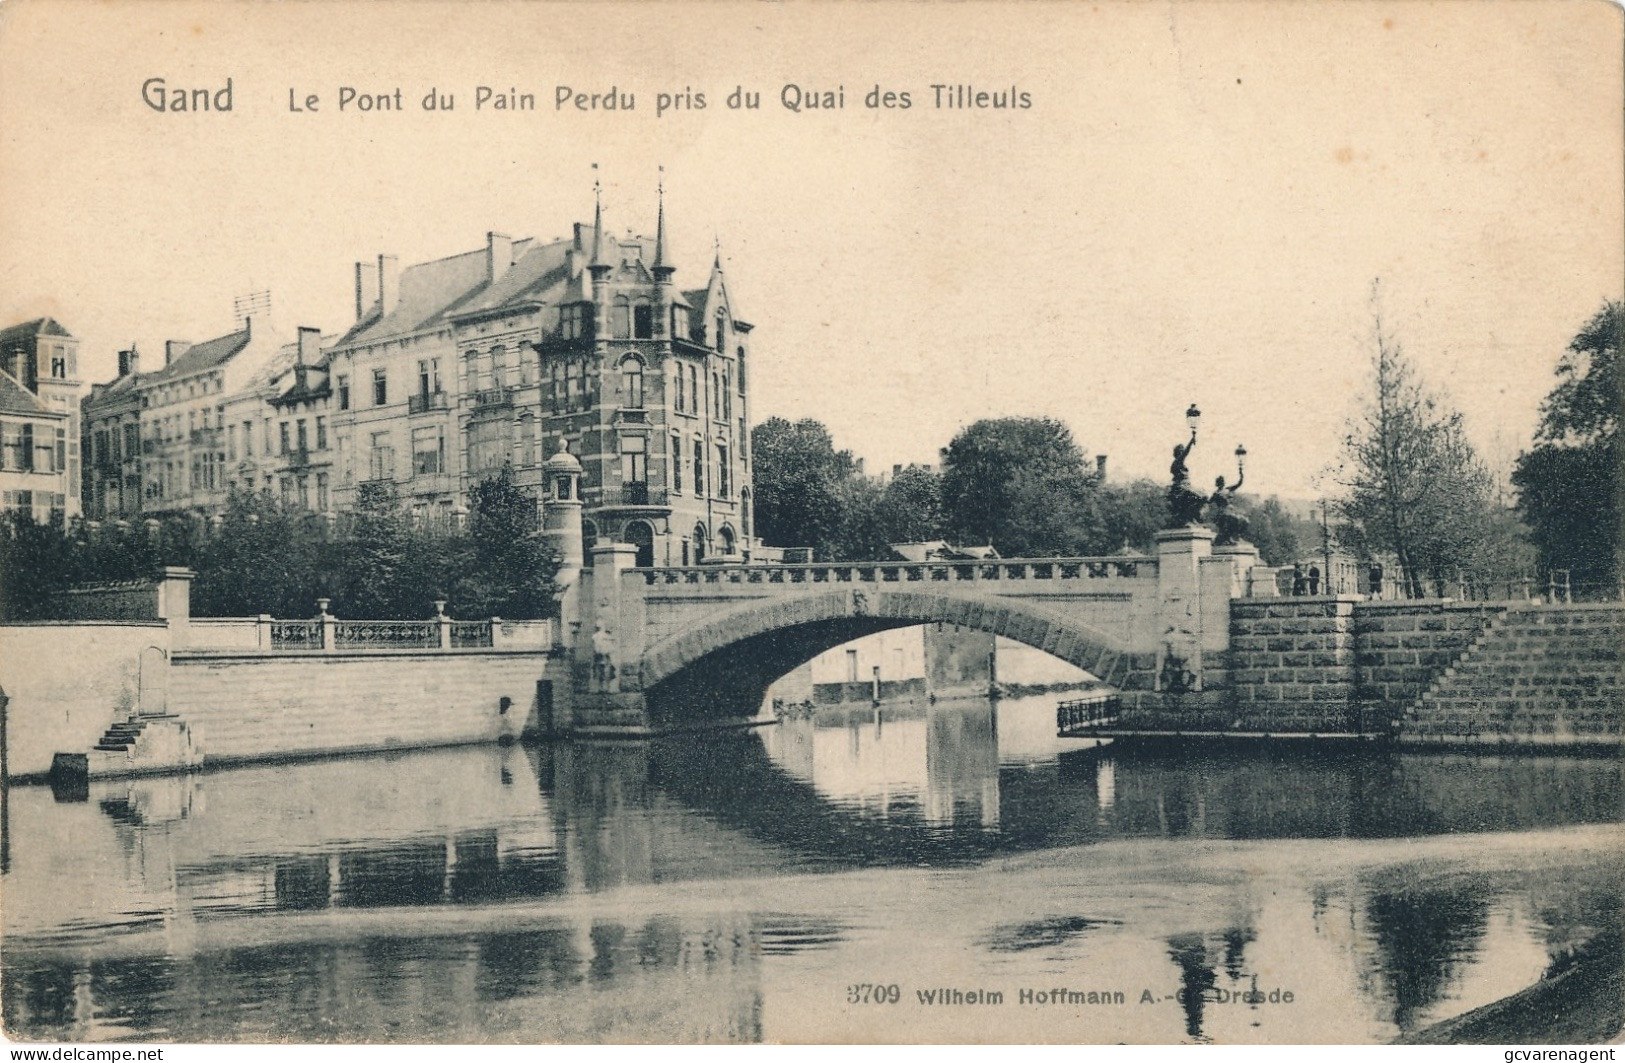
[1241, 462]
[1184, 504]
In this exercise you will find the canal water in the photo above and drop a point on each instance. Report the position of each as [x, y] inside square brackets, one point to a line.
[912, 873]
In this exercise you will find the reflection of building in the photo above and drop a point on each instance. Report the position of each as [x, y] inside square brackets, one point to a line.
[39, 419]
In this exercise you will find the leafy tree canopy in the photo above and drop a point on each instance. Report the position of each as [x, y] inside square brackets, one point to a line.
[1570, 482]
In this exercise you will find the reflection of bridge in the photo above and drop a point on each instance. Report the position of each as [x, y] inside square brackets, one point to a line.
[689, 642]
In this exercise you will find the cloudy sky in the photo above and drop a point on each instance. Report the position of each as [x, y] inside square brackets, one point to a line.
[1193, 208]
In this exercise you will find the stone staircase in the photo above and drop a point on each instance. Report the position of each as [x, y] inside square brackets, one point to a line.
[141, 745]
[123, 734]
[1542, 675]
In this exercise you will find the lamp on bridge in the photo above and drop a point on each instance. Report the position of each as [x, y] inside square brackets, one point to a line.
[1193, 417]
[1241, 461]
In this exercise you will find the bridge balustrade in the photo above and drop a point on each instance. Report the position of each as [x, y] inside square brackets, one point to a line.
[1055, 569]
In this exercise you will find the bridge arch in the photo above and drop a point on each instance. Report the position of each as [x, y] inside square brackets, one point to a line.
[729, 661]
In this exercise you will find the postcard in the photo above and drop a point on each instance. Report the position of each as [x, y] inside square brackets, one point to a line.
[547, 523]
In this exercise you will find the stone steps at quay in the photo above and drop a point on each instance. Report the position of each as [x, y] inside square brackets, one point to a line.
[121, 735]
[1533, 674]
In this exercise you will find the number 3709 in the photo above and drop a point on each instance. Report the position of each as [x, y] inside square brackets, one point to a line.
[873, 993]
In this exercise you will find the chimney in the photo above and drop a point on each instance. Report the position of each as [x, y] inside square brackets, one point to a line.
[498, 255]
[1100, 466]
[389, 282]
[366, 288]
[173, 349]
[310, 345]
[129, 362]
[896, 470]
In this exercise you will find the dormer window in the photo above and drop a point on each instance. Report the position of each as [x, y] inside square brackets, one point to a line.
[721, 337]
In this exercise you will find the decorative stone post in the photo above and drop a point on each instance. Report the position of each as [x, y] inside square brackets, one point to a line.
[323, 617]
[561, 524]
[175, 605]
[442, 623]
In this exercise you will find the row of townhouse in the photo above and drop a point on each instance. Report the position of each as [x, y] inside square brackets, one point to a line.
[452, 369]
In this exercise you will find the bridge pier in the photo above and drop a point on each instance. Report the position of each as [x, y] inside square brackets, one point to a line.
[608, 644]
[1194, 588]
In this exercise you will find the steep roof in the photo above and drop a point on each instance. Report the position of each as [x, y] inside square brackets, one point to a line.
[541, 273]
[117, 389]
[14, 398]
[201, 356]
[433, 293]
[40, 326]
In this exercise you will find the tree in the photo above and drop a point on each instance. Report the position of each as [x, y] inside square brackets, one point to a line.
[1416, 488]
[35, 562]
[509, 565]
[1280, 537]
[1132, 513]
[1020, 484]
[374, 560]
[1569, 483]
[798, 473]
[911, 506]
[261, 561]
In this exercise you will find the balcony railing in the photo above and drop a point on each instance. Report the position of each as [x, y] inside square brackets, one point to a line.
[493, 397]
[423, 402]
[640, 494]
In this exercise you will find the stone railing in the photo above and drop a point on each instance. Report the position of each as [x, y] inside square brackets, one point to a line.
[295, 634]
[1080, 569]
[325, 633]
[386, 634]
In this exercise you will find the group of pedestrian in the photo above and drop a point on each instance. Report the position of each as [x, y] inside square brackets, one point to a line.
[1309, 582]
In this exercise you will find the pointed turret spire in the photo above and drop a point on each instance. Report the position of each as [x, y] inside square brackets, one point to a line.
[597, 261]
[660, 263]
[716, 253]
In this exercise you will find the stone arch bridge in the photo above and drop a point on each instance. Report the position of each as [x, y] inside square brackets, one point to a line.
[668, 646]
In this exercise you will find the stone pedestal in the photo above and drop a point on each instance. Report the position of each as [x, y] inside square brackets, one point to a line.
[1181, 553]
[1243, 558]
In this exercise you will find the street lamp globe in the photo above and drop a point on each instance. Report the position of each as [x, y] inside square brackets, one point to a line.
[1193, 417]
[1241, 458]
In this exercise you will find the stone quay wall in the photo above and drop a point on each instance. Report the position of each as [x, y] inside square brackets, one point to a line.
[1404, 646]
[1498, 672]
[66, 683]
[251, 706]
[1292, 665]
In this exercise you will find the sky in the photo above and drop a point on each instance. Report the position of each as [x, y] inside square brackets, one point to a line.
[1194, 208]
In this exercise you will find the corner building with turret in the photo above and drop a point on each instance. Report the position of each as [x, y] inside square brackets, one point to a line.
[515, 352]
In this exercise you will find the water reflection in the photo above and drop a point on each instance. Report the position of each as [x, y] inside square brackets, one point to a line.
[727, 888]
